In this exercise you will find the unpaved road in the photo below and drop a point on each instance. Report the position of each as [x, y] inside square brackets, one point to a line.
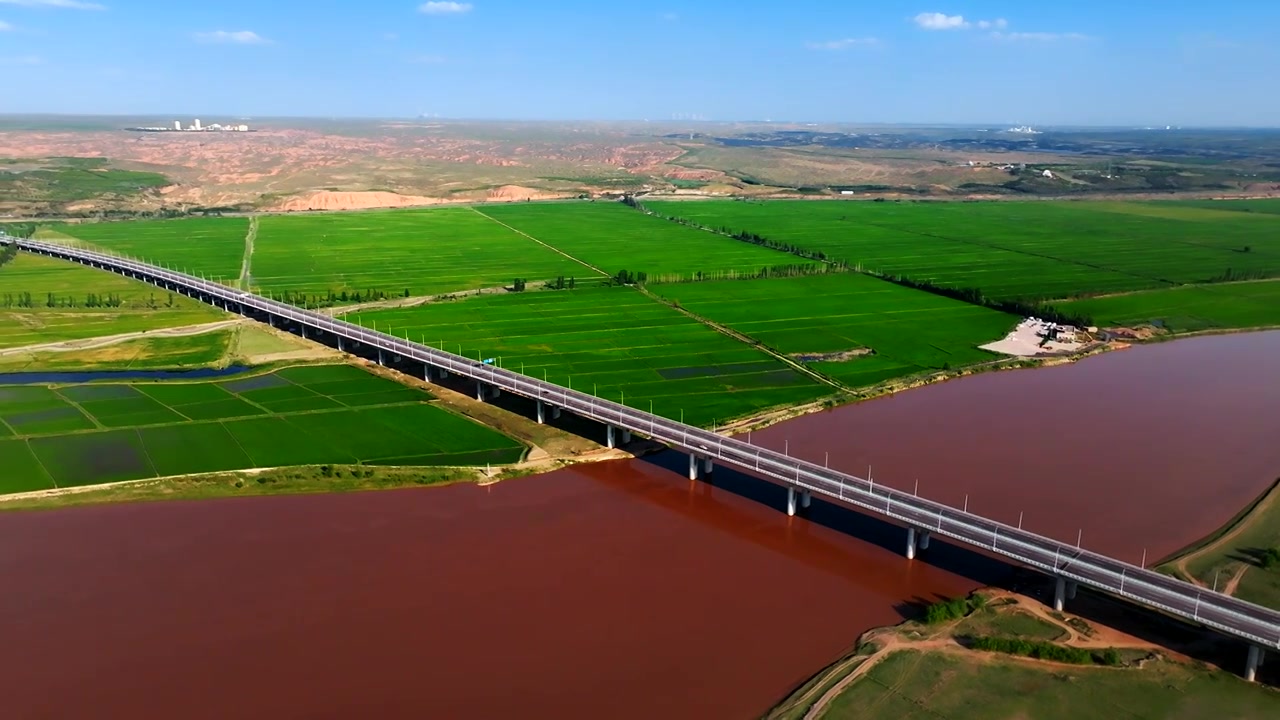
[105, 340]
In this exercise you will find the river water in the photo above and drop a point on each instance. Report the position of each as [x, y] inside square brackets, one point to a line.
[617, 590]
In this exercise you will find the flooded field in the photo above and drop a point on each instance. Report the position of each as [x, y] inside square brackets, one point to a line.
[1150, 447]
[618, 590]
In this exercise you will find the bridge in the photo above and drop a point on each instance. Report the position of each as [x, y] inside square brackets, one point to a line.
[1069, 565]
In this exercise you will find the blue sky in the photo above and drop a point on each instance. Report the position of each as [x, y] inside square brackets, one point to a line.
[1120, 62]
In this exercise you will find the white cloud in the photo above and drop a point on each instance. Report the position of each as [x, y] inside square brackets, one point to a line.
[941, 21]
[236, 37]
[70, 4]
[444, 8]
[22, 60]
[842, 44]
[997, 24]
[5, 27]
[1038, 36]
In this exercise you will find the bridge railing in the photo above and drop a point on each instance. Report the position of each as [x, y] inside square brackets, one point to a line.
[1222, 612]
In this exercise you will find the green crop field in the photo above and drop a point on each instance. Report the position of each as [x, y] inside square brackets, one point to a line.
[422, 251]
[613, 341]
[1026, 250]
[84, 434]
[613, 237]
[1269, 207]
[142, 306]
[909, 330]
[1187, 309]
[213, 247]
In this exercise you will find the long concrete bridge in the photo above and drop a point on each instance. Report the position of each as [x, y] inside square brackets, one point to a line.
[1069, 565]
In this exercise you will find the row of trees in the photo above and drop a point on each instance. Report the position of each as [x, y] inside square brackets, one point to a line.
[976, 297]
[21, 230]
[7, 253]
[91, 300]
[1041, 650]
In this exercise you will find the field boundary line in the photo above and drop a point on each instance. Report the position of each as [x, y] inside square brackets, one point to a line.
[747, 340]
[52, 479]
[92, 418]
[246, 263]
[155, 471]
[543, 244]
[222, 424]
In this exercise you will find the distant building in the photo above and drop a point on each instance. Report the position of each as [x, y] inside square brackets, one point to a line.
[177, 125]
[197, 124]
[1048, 174]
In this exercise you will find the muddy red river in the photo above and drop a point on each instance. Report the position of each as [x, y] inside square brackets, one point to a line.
[618, 590]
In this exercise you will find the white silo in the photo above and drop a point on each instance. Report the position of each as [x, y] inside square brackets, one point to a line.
[197, 125]
[177, 125]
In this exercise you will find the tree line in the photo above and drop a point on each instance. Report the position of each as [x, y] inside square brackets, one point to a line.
[975, 296]
[91, 300]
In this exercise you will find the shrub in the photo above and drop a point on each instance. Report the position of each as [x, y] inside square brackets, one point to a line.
[1270, 558]
[946, 610]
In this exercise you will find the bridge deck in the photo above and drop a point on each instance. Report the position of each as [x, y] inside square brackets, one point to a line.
[1232, 616]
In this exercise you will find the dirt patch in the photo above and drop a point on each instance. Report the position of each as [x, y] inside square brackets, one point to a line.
[518, 192]
[841, 356]
[358, 200]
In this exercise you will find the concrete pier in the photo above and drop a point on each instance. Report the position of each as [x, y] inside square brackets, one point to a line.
[1059, 593]
[693, 466]
[626, 436]
[707, 466]
[542, 413]
[911, 543]
[426, 373]
[494, 391]
[806, 498]
[923, 543]
[341, 345]
[380, 356]
[609, 441]
[1071, 589]
[791, 501]
[555, 413]
[1253, 663]
[479, 390]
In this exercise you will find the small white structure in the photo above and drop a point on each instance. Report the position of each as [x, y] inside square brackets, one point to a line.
[197, 124]
[1048, 174]
[177, 125]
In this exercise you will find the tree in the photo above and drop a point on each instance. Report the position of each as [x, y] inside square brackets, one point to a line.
[571, 283]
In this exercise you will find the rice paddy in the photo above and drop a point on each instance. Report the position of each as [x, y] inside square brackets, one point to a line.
[909, 331]
[213, 247]
[614, 237]
[614, 342]
[84, 434]
[61, 304]
[1016, 250]
[421, 252]
[1188, 309]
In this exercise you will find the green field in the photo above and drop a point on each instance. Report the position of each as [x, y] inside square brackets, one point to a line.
[142, 306]
[914, 685]
[1015, 250]
[613, 237]
[422, 251]
[86, 434]
[144, 353]
[68, 179]
[213, 247]
[613, 341]
[909, 330]
[1187, 309]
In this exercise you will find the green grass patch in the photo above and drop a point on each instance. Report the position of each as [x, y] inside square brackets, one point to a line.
[182, 449]
[47, 421]
[909, 330]
[911, 685]
[93, 458]
[612, 341]
[67, 180]
[422, 251]
[219, 409]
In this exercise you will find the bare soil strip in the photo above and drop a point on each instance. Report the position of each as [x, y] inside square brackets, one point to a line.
[246, 264]
[105, 340]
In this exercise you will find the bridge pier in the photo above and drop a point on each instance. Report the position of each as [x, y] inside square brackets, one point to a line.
[1071, 589]
[341, 345]
[791, 501]
[426, 369]
[707, 466]
[806, 498]
[494, 391]
[1252, 664]
[479, 389]
[911, 543]
[626, 436]
[1059, 593]
[609, 440]
[693, 466]
[542, 413]
[379, 356]
[923, 544]
[555, 413]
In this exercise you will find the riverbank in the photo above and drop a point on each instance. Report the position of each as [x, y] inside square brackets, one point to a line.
[1233, 560]
[917, 669]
